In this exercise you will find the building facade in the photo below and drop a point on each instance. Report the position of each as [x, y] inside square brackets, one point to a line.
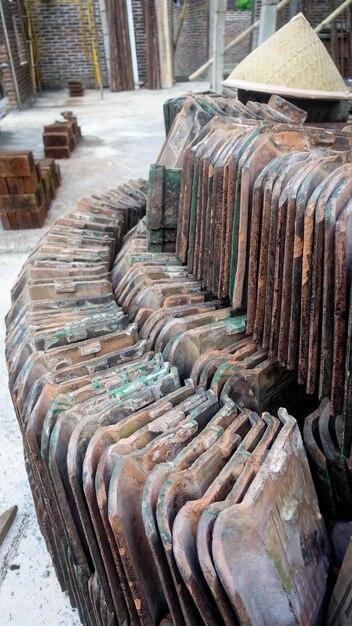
[58, 38]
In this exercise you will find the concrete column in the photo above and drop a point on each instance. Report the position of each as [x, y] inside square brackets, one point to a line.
[211, 35]
[294, 8]
[268, 15]
[218, 42]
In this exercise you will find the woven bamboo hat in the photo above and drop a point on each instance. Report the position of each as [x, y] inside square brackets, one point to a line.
[292, 62]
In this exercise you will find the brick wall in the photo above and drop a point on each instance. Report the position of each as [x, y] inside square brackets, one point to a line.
[62, 53]
[19, 58]
[192, 48]
[235, 23]
[314, 10]
[63, 57]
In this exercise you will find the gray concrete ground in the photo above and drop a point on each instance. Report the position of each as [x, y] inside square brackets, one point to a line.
[122, 135]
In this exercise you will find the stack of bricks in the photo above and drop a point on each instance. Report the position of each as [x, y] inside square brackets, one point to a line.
[26, 189]
[75, 88]
[60, 138]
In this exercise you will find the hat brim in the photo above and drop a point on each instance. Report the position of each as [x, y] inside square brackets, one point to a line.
[280, 90]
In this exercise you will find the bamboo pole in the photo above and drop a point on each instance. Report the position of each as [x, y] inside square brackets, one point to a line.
[333, 15]
[94, 48]
[180, 26]
[235, 41]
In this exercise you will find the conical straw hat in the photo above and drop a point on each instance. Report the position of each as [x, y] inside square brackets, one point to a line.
[292, 62]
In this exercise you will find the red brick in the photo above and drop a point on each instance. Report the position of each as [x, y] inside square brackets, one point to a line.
[4, 190]
[31, 182]
[57, 153]
[56, 139]
[24, 202]
[16, 164]
[16, 185]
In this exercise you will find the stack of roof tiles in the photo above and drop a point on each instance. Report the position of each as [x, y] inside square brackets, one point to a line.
[170, 484]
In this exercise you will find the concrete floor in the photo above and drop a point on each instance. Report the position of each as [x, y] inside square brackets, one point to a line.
[122, 136]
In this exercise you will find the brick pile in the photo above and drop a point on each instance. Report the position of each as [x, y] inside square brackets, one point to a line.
[75, 88]
[26, 189]
[61, 137]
